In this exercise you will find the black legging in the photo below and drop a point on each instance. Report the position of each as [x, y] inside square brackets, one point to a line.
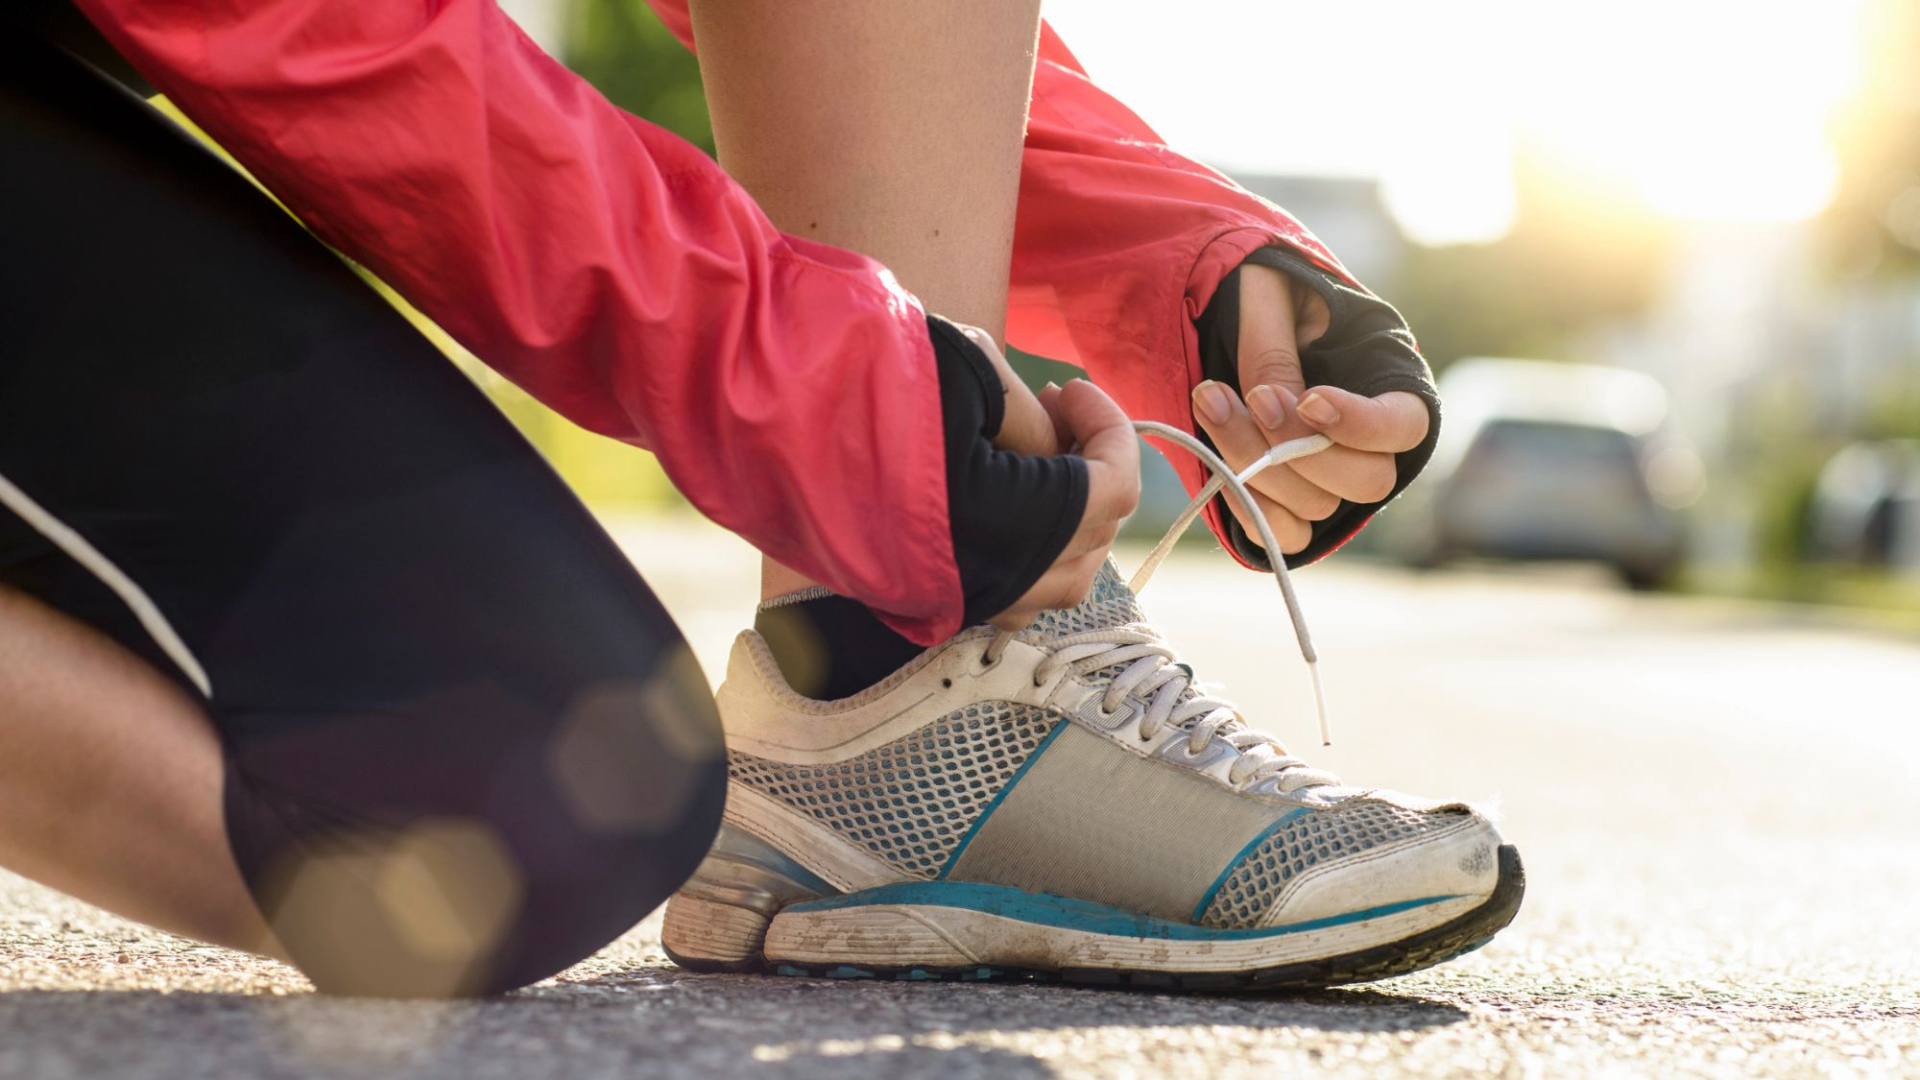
[466, 747]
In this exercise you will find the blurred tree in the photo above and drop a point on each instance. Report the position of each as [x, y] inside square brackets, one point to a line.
[621, 47]
[1578, 255]
[1873, 225]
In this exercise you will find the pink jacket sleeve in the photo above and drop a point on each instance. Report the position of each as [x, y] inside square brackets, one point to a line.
[1119, 245]
[608, 267]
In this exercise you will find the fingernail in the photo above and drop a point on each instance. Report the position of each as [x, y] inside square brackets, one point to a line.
[1211, 399]
[1319, 410]
[1266, 407]
[1051, 385]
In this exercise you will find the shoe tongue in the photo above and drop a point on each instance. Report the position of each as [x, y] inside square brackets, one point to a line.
[1108, 604]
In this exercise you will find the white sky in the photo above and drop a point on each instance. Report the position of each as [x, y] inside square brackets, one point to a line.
[1700, 108]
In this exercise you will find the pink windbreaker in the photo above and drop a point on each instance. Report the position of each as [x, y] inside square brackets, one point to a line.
[618, 275]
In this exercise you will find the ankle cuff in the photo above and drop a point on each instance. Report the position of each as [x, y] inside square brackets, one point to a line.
[799, 596]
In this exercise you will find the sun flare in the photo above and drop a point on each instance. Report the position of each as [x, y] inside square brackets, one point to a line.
[1697, 109]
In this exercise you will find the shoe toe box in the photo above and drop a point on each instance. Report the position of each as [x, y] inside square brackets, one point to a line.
[1372, 853]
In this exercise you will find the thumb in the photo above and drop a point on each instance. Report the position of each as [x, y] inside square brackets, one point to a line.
[1105, 436]
[1269, 346]
[1025, 426]
[1050, 401]
[1393, 422]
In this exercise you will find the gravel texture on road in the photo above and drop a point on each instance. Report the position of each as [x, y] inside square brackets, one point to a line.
[1719, 806]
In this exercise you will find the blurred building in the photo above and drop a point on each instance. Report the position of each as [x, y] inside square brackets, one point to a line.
[1345, 212]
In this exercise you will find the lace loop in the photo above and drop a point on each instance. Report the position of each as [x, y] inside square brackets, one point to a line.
[1152, 675]
[1155, 677]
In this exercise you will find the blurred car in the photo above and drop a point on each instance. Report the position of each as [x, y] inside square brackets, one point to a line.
[1866, 506]
[1550, 461]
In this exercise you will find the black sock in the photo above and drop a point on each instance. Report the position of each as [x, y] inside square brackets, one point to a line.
[831, 647]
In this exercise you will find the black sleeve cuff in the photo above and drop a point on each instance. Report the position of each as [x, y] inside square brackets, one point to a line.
[1010, 514]
[1367, 350]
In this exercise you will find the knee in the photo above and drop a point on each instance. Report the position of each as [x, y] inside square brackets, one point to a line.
[497, 865]
[462, 905]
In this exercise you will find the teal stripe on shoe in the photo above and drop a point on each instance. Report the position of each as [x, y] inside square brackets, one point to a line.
[1067, 914]
[1233, 864]
[961, 848]
[737, 843]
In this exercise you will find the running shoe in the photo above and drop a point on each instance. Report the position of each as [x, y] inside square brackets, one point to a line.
[1066, 803]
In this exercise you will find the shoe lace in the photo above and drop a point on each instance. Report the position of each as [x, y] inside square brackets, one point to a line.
[1155, 676]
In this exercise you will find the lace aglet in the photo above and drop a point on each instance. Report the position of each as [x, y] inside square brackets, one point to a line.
[1320, 703]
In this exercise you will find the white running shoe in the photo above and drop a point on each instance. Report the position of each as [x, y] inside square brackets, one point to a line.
[1065, 803]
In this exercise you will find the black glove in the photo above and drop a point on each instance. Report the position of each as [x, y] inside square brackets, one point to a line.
[1367, 349]
[1011, 514]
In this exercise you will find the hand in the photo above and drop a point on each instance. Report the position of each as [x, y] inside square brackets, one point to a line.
[1027, 427]
[1051, 423]
[1087, 416]
[1278, 320]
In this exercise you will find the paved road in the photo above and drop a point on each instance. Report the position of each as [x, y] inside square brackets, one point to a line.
[1719, 807]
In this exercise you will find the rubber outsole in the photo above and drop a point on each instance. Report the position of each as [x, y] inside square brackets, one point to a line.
[1451, 939]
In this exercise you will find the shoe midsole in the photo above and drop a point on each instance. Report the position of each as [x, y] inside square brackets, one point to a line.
[946, 924]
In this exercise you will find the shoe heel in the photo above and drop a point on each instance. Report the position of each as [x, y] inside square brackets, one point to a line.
[718, 920]
[703, 935]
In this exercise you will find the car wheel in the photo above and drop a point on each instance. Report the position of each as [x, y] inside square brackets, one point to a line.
[1643, 578]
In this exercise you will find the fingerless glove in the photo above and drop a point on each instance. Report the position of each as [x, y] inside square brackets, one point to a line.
[1367, 349]
[1010, 514]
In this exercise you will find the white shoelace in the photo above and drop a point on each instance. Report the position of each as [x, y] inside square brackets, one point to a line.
[1155, 677]
[1154, 674]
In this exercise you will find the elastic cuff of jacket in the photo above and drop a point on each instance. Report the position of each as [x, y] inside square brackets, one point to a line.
[1366, 350]
[1010, 514]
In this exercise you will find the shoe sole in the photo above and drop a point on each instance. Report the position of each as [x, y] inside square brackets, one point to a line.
[810, 929]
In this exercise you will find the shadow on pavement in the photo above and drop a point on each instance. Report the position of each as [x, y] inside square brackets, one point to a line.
[653, 1022]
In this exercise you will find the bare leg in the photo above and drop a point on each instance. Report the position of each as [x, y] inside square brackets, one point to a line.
[891, 127]
[110, 782]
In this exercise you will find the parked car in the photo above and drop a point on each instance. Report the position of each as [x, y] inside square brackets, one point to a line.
[1550, 461]
[1866, 506]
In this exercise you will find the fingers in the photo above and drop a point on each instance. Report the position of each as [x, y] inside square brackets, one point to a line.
[1390, 423]
[1239, 438]
[1292, 531]
[1361, 476]
[1287, 501]
[1312, 487]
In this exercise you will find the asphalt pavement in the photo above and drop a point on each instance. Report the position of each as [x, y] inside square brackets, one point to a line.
[1718, 803]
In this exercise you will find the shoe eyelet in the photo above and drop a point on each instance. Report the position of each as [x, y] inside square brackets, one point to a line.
[946, 684]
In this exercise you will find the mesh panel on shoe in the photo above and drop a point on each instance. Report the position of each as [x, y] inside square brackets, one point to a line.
[1109, 603]
[1317, 837]
[909, 802]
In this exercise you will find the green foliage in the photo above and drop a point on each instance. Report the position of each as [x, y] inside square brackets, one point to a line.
[600, 470]
[622, 48]
[1894, 412]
